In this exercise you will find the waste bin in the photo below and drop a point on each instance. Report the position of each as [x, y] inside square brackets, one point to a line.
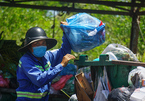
[117, 70]
[118, 75]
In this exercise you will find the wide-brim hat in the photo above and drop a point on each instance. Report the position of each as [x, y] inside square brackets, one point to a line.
[35, 34]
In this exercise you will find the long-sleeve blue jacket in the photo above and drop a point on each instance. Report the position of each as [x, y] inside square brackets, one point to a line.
[35, 77]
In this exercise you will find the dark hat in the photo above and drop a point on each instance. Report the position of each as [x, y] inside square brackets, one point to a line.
[35, 34]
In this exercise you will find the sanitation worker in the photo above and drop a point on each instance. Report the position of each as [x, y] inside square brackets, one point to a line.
[38, 66]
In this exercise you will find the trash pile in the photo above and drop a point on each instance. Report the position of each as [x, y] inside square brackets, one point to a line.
[64, 82]
[136, 89]
[131, 86]
[135, 78]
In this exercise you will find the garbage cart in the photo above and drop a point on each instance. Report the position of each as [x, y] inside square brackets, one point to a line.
[117, 70]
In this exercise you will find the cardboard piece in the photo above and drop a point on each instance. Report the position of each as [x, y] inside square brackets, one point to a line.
[84, 91]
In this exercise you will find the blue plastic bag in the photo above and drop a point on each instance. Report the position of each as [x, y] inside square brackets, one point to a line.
[68, 70]
[84, 32]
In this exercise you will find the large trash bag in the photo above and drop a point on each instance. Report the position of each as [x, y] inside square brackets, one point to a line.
[121, 94]
[119, 52]
[84, 32]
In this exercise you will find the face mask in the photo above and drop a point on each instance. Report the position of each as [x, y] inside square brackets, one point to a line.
[39, 51]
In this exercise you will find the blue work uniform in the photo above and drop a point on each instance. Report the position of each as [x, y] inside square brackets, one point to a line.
[35, 77]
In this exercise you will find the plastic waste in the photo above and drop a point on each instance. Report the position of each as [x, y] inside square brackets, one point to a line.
[87, 73]
[53, 91]
[69, 69]
[135, 76]
[73, 98]
[4, 82]
[119, 52]
[84, 32]
[120, 94]
[69, 86]
[138, 95]
[61, 83]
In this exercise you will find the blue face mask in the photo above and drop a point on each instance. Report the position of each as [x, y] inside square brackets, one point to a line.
[39, 51]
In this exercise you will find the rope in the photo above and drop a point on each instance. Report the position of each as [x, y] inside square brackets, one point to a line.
[65, 93]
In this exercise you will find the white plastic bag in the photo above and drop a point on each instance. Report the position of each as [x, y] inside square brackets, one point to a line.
[73, 98]
[138, 94]
[103, 88]
[140, 72]
[99, 96]
[119, 52]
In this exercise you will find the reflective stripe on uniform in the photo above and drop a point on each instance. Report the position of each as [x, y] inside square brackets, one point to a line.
[40, 67]
[31, 95]
[47, 66]
[19, 63]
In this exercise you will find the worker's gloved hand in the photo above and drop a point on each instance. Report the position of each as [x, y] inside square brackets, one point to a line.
[64, 23]
[66, 59]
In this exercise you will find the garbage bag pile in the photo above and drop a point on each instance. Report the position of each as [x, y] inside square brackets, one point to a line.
[84, 32]
[135, 91]
[64, 81]
[136, 79]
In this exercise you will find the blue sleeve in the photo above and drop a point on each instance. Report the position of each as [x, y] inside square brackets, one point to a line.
[38, 77]
[65, 47]
[56, 56]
